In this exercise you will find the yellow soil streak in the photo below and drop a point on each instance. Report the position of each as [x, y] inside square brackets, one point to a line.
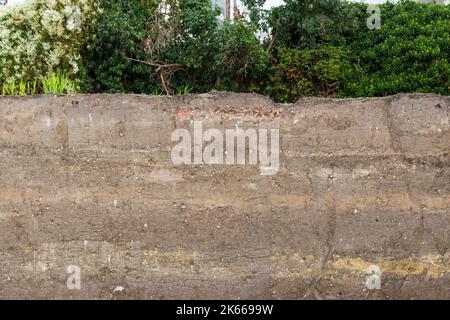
[431, 265]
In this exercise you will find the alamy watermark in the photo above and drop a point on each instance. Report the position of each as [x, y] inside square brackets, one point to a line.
[211, 147]
[373, 281]
[374, 11]
[74, 280]
[374, 21]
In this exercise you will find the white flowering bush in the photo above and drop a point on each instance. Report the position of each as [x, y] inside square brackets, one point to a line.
[43, 37]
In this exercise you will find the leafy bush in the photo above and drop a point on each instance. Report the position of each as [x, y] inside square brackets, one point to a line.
[119, 32]
[308, 72]
[194, 44]
[310, 24]
[44, 36]
[210, 55]
[148, 31]
[242, 62]
[309, 47]
[410, 53]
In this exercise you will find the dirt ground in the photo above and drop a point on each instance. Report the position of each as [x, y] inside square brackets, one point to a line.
[88, 181]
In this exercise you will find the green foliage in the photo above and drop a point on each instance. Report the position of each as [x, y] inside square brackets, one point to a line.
[302, 48]
[308, 72]
[118, 33]
[195, 44]
[408, 54]
[257, 14]
[241, 62]
[56, 83]
[149, 31]
[43, 36]
[157, 92]
[21, 88]
[228, 56]
[186, 89]
[314, 23]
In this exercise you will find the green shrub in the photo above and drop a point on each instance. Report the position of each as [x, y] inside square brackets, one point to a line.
[212, 56]
[242, 62]
[118, 33]
[194, 43]
[137, 29]
[308, 72]
[313, 47]
[410, 53]
[308, 24]
[43, 36]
